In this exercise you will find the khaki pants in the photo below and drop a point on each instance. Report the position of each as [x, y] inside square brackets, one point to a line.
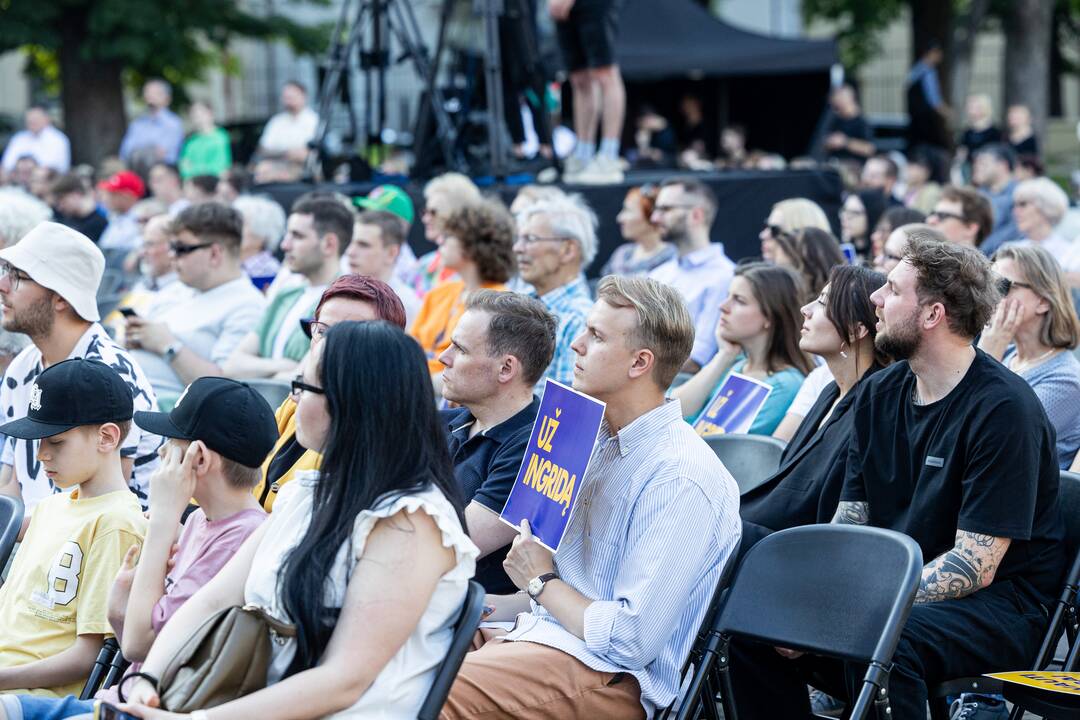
[525, 680]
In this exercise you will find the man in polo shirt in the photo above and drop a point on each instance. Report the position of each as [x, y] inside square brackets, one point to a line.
[498, 351]
[684, 211]
[317, 233]
[555, 243]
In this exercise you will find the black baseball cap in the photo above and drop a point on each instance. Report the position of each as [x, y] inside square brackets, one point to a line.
[230, 417]
[71, 394]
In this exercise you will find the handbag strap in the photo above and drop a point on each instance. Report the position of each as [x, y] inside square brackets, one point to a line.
[276, 626]
[127, 678]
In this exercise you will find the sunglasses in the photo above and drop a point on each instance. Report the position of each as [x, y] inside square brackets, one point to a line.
[1005, 285]
[942, 215]
[179, 249]
[776, 232]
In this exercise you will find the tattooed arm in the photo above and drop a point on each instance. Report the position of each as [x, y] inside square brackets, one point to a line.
[852, 513]
[968, 567]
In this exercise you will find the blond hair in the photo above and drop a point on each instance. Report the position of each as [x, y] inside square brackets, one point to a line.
[457, 187]
[1060, 326]
[664, 324]
[799, 213]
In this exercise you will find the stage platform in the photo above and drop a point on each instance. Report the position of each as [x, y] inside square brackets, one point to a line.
[745, 198]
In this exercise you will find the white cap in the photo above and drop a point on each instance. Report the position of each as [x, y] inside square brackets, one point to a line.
[64, 261]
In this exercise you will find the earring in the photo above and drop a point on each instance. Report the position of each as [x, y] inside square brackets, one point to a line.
[842, 353]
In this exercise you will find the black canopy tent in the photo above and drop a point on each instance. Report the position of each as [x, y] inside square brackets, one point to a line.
[775, 87]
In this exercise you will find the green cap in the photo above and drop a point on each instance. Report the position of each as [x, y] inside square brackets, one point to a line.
[390, 198]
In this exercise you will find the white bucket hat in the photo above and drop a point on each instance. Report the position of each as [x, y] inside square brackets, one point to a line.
[64, 261]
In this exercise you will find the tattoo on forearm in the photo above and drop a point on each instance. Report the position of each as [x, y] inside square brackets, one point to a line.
[852, 513]
[968, 567]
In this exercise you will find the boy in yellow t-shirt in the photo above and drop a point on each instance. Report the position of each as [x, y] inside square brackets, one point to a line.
[53, 606]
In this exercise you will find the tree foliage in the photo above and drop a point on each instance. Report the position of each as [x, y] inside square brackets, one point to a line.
[149, 38]
[859, 24]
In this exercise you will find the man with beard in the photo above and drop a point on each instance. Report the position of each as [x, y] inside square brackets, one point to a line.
[684, 212]
[48, 286]
[954, 450]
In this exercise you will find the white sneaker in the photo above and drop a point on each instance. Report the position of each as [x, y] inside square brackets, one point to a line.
[573, 167]
[602, 171]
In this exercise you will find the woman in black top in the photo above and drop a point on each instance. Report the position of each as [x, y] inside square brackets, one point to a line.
[840, 327]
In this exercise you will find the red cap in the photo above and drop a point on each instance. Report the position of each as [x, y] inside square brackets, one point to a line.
[124, 181]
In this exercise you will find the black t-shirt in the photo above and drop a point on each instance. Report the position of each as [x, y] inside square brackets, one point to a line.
[485, 467]
[1027, 146]
[982, 459]
[854, 127]
[91, 226]
[974, 139]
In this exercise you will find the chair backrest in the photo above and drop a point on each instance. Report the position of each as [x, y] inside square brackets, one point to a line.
[751, 459]
[464, 629]
[11, 517]
[837, 590]
[273, 391]
[109, 649]
[1069, 499]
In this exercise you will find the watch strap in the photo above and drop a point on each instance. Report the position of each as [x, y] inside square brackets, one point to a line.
[544, 580]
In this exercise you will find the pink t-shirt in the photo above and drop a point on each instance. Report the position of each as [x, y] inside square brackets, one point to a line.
[204, 548]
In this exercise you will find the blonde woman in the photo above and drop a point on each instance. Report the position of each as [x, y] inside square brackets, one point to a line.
[443, 196]
[1033, 331]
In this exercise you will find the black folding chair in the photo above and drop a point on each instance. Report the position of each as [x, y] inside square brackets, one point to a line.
[841, 591]
[464, 629]
[699, 668]
[11, 517]
[751, 459]
[109, 649]
[1064, 616]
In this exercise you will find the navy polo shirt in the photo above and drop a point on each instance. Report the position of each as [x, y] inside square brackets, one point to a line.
[485, 467]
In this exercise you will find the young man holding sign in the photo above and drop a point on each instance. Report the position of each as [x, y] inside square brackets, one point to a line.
[614, 612]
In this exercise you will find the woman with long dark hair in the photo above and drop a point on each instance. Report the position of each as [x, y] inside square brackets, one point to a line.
[839, 326]
[367, 557]
[757, 335]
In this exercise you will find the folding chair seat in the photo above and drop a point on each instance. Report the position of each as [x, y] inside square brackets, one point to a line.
[109, 649]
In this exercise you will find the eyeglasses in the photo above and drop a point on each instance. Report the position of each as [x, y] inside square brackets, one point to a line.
[299, 387]
[179, 249]
[942, 215]
[1005, 285]
[14, 275]
[313, 328]
[852, 212]
[529, 239]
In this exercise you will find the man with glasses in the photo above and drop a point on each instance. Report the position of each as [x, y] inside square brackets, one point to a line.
[684, 212]
[48, 287]
[350, 298]
[555, 243]
[316, 235]
[962, 215]
[182, 342]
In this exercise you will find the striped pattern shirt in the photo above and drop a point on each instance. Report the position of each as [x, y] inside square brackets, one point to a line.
[657, 517]
[569, 304]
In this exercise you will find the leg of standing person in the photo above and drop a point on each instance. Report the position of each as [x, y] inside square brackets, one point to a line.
[610, 81]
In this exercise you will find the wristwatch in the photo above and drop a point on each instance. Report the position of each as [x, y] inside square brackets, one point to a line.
[537, 584]
[171, 351]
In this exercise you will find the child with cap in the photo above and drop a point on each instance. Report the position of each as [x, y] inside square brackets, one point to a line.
[218, 434]
[53, 606]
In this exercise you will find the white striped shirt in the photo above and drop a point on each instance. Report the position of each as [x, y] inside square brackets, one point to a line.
[656, 519]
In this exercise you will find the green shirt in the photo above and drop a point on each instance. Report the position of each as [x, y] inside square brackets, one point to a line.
[273, 317]
[206, 154]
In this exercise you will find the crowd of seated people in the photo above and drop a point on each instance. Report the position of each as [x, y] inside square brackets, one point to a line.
[935, 350]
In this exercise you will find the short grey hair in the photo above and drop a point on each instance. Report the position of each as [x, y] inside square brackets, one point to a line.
[1047, 197]
[20, 212]
[569, 216]
[263, 216]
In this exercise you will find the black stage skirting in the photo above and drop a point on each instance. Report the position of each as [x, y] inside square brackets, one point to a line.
[745, 199]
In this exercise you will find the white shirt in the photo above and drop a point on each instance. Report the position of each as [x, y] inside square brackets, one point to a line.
[122, 233]
[286, 131]
[809, 391]
[702, 277]
[408, 296]
[50, 148]
[95, 344]
[403, 684]
[209, 323]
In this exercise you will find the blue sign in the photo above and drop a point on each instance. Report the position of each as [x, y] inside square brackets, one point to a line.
[734, 407]
[555, 462]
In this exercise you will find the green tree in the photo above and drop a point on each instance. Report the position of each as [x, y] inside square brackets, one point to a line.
[94, 46]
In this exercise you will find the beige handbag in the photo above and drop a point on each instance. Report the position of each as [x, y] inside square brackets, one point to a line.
[226, 658]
